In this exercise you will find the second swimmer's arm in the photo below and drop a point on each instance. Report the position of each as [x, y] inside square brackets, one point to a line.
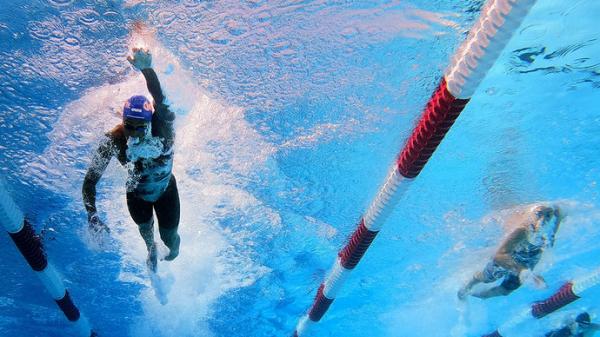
[504, 256]
[593, 326]
[558, 217]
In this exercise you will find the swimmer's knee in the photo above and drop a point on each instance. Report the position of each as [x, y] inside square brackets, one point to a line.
[168, 234]
[505, 291]
[510, 284]
[483, 277]
[167, 231]
[147, 224]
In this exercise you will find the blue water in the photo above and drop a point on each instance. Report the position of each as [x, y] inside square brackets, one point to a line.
[289, 115]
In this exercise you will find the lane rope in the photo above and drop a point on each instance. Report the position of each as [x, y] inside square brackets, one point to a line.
[31, 247]
[488, 37]
[569, 292]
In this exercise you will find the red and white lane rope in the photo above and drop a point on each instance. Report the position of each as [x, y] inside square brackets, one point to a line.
[488, 37]
[30, 245]
[568, 293]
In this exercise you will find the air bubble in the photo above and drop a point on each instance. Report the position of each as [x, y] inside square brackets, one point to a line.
[112, 17]
[88, 17]
[72, 41]
[165, 18]
[234, 28]
[60, 3]
[40, 30]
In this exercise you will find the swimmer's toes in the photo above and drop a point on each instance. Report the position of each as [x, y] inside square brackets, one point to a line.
[172, 255]
[462, 294]
[174, 251]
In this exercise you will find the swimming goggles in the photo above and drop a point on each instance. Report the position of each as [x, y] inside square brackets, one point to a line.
[136, 128]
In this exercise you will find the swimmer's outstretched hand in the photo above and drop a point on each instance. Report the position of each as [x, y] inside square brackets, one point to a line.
[141, 59]
[559, 214]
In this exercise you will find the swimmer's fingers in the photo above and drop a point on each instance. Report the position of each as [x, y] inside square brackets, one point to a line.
[141, 58]
[97, 226]
[560, 214]
[140, 51]
[99, 230]
[539, 281]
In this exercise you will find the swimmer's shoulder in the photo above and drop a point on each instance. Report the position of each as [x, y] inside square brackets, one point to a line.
[117, 136]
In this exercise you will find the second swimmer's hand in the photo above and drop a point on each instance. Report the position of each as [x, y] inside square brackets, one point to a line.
[96, 225]
[527, 275]
[141, 59]
[559, 214]
[539, 282]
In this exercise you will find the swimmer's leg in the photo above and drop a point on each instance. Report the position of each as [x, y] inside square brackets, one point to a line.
[492, 292]
[167, 212]
[510, 283]
[141, 212]
[147, 232]
[171, 240]
[466, 289]
[489, 274]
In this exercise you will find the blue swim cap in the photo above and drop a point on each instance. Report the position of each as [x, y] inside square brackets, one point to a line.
[138, 107]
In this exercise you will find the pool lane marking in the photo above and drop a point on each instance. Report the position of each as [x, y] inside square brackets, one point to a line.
[497, 23]
[30, 245]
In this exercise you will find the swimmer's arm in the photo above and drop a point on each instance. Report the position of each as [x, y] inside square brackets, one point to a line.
[592, 326]
[99, 163]
[161, 108]
[142, 60]
[504, 257]
[558, 217]
[153, 85]
[163, 118]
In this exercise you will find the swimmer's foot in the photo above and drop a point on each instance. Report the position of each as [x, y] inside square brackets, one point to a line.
[174, 251]
[152, 259]
[463, 293]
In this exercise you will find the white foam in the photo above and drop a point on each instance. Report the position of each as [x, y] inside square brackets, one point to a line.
[62, 165]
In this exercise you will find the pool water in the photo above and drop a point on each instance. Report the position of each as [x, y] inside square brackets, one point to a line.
[289, 115]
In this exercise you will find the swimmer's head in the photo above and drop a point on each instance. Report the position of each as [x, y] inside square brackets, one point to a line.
[583, 318]
[137, 116]
[544, 229]
[542, 212]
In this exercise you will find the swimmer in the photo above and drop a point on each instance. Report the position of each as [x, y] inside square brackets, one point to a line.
[143, 143]
[580, 327]
[518, 254]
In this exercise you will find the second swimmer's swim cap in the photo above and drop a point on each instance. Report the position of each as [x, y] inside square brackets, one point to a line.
[138, 107]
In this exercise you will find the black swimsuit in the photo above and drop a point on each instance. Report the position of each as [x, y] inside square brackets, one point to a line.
[166, 207]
